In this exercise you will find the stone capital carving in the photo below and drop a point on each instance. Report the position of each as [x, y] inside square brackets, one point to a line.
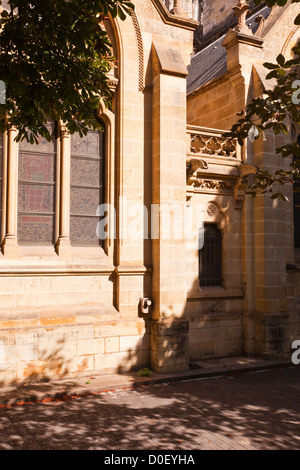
[63, 130]
[113, 84]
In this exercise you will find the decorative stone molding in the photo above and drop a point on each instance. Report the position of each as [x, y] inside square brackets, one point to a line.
[213, 162]
[289, 39]
[202, 184]
[139, 40]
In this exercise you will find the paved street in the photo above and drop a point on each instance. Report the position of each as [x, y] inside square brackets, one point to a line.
[258, 410]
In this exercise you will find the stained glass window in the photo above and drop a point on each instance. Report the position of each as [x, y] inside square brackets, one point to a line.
[1, 181]
[36, 197]
[87, 187]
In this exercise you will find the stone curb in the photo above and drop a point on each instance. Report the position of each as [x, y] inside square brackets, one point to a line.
[52, 391]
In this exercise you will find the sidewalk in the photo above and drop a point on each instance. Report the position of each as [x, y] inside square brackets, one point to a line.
[97, 384]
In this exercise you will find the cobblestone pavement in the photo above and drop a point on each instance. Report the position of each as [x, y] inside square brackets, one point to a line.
[244, 411]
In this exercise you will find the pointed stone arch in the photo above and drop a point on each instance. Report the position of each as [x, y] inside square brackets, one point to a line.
[288, 45]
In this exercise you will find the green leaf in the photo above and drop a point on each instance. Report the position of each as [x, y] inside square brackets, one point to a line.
[280, 60]
[270, 66]
[273, 74]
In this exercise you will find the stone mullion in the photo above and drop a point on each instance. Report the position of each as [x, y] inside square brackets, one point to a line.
[4, 188]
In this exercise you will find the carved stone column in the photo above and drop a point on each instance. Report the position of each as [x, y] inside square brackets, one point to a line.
[178, 8]
[10, 243]
[63, 245]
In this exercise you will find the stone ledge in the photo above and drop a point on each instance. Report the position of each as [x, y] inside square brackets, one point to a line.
[79, 313]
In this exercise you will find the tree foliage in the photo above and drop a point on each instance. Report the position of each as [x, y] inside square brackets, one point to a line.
[275, 112]
[54, 59]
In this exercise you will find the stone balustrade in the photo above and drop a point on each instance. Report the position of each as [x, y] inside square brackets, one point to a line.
[202, 141]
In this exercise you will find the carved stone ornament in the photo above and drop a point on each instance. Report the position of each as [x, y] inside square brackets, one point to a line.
[241, 10]
[260, 19]
[246, 170]
[211, 210]
[212, 185]
[194, 168]
[196, 180]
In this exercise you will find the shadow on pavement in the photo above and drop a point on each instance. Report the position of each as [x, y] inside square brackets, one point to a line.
[255, 411]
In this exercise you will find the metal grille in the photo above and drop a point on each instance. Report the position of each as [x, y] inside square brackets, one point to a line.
[210, 257]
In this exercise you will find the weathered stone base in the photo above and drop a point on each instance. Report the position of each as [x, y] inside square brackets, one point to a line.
[47, 344]
[272, 335]
[215, 335]
[221, 335]
[293, 303]
[170, 346]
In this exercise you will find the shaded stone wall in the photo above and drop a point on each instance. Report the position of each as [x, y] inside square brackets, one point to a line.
[67, 310]
[269, 319]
